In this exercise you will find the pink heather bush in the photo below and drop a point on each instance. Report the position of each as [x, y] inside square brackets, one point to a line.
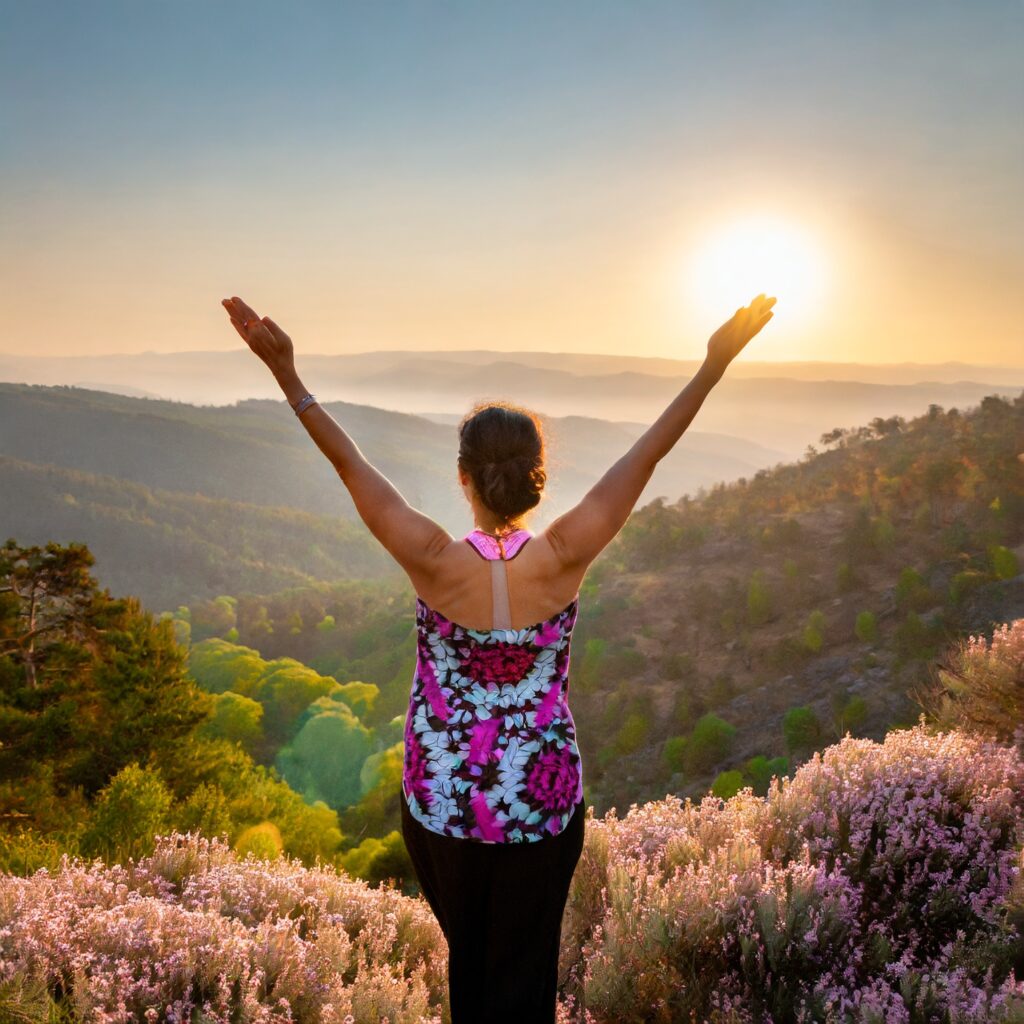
[878, 885]
[194, 933]
[872, 886]
[980, 688]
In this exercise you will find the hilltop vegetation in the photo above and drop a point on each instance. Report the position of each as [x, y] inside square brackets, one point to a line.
[106, 739]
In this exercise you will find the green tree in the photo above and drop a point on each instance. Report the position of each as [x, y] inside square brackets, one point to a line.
[866, 627]
[360, 697]
[263, 841]
[128, 813]
[911, 638]
[47, 594]
[814, 632]
[145, 702]
[218, 665]
[325, 758]
[206, 810]
[214, 618]
[286, 690]
[964, 583]
[237, 719]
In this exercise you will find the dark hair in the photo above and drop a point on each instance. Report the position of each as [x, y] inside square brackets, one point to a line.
[501, 447]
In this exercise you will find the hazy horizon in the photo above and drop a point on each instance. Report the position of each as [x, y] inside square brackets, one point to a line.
[744, 360]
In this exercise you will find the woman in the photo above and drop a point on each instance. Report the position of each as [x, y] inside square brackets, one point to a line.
[492, 801]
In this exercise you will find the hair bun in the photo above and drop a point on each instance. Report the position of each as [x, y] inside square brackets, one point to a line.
[501, 447]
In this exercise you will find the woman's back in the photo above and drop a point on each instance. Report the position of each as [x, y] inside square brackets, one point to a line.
[490, 743]
[539, 585]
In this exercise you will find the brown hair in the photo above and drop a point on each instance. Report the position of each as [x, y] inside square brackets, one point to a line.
[501, 447]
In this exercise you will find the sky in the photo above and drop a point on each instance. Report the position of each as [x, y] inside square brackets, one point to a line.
[561, 176]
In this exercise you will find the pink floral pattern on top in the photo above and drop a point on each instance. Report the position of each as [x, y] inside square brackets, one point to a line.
[490, 742]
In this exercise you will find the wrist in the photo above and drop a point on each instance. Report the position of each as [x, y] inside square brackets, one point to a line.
[291, 385]
[712, 369]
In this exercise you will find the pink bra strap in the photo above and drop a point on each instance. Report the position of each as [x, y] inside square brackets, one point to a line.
[488, 546]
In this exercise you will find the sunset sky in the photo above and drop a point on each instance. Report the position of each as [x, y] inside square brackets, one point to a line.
[560, 176]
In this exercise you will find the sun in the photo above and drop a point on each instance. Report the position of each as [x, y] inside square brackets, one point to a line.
[736, 262]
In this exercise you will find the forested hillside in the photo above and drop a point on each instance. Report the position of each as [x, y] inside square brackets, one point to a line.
[721, 641]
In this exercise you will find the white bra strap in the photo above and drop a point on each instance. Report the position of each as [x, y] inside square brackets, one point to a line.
[499, 593]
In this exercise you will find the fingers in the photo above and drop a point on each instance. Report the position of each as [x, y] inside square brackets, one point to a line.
[235, 311]
[241, 332]
[246, 311]
[276, 331]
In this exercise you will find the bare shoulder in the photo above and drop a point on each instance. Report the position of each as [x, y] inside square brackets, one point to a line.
[552, 559]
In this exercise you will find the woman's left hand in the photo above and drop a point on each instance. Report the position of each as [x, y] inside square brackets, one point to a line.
[263, 336]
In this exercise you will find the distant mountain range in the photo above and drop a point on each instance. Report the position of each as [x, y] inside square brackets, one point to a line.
[152, 484]
[781, 406]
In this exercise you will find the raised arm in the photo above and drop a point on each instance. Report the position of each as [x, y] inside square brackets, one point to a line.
[412, 538]
[579, 535]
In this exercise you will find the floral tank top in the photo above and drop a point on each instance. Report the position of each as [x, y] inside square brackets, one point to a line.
[490, 743]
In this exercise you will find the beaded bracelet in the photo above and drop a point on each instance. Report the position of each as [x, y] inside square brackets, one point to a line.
[304, 404]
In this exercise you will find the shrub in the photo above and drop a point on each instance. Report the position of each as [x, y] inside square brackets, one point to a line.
[759, 771]
[759, 603]
[801, 730]
[866, 627]
[129, 811]
[723, 689]
[868, 887]
[964, 583]
[1003, 561]
[203, 934]
[673, 751]
[849, 714]
[727, 784]
[911, 592]
[981, 686]
[632, 734]
[710, 742]
[911, 638]
[262, 841]
[677, 666]
[846, 580]
[814, 632]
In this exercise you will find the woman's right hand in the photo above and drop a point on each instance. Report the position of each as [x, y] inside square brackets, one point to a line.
[728, 341]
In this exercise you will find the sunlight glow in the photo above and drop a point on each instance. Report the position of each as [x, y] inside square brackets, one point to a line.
[733, 264]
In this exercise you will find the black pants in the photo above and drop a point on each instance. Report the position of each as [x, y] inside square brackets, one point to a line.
[500, 907]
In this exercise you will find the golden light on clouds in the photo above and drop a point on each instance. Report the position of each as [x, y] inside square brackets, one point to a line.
[730, 264]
